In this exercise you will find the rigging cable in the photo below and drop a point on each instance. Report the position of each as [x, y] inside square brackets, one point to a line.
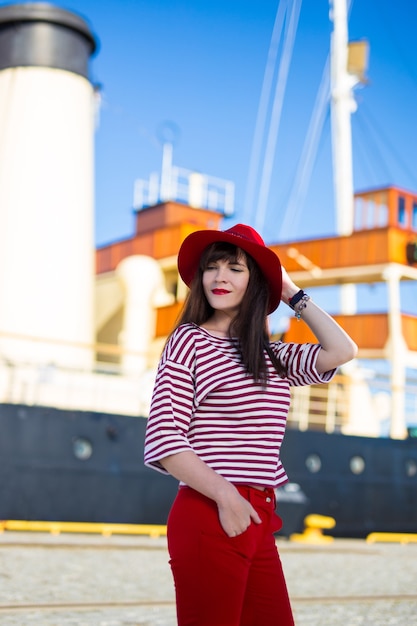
[277, 104]
[367, 148]
[309, 152]
[384, 140]
[305, 167]
[263, 110]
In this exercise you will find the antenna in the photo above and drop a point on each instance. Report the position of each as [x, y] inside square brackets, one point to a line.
[166, 173]
[182, 185]
[168, 134]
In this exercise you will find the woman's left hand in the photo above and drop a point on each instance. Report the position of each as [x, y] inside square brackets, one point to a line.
[289, 288]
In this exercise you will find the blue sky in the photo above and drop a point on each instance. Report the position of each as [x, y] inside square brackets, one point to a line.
[200, 65]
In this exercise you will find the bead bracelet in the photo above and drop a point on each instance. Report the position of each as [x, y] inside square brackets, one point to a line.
[298, 303]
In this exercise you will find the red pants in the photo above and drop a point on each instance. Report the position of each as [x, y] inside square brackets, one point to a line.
[221, 580]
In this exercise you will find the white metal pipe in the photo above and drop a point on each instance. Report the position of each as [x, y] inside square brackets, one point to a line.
[47, 121]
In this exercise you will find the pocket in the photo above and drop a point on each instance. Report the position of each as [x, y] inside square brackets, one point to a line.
[221, 547]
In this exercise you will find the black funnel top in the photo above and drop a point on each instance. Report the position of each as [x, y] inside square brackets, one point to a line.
[42, 35]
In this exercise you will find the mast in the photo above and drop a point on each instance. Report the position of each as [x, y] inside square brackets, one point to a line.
[346, 72]
[342, 106]
[347, 69]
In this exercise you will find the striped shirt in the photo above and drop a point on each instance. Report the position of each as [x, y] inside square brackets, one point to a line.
[205, 401]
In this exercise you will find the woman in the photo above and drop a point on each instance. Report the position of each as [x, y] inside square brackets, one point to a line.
[217, 421]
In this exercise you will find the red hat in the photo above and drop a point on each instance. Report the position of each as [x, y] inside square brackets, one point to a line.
[243, 237]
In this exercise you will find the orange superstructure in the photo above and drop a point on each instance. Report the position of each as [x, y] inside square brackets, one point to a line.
[159, 231]
[381, 247]
[385, 235]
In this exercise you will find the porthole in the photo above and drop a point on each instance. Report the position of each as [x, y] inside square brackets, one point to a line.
[82, 448]
[411, 468]
[357, 465]
[313, 463]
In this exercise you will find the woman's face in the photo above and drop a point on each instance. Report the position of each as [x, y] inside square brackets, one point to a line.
[225, 282]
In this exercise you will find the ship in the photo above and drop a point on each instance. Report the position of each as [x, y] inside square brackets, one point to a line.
[81, 330]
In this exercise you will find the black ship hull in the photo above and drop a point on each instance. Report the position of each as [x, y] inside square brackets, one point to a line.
[78, 466]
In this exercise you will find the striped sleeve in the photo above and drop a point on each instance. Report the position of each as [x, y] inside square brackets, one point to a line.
[300, 361]
[171, 406]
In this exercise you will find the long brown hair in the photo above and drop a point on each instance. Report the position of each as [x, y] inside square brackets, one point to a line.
[249, 326]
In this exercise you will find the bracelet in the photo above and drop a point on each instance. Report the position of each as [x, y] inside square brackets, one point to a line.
[301, 305]
[296, 298]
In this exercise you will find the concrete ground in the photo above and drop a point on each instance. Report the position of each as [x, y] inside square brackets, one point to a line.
[90, 580]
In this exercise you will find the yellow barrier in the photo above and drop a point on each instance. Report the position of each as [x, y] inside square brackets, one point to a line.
[55, 528]
[313, 531]
[392, 537]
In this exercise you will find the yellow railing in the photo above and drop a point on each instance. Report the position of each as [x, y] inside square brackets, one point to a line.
[392, 538]
[56, 528]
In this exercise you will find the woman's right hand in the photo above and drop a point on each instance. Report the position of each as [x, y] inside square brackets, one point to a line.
[236, 514]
